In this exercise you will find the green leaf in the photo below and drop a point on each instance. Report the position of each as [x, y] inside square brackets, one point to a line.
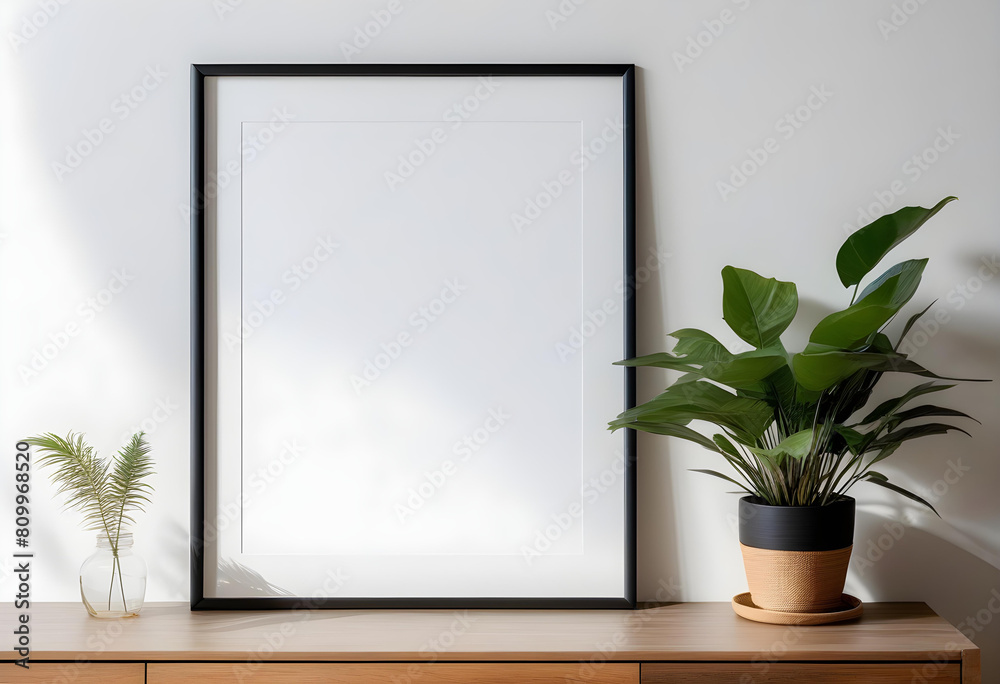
[680, 404]
[669, 430]
[817, 368]
[724, 477]
[697, 346]
[909, 324]
[901, 435]
[785, 394]
[80, 474]
[796, 446]
[866, 247]
[926, 411]
[758, 309]
[851, 328]
[880, 343]
[125, 483]
[660, 360]
[818, 371]
[727, 447]
[107, 494]
[908, 273]
[882, 481]
[747, 369]
[855, 440]
[694, 347]
[898, 363]
[892, 405]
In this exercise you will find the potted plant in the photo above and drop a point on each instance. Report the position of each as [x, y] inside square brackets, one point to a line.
[107, 493]
[792, 426]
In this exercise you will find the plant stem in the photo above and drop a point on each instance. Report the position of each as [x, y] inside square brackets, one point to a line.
[111, 589]
[121, 583]
[118, 535]
[116, 563]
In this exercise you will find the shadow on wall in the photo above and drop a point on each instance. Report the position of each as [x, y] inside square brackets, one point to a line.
[902, 552]
[175, 577]
[905, 553]
[658, 537]
[897, 559]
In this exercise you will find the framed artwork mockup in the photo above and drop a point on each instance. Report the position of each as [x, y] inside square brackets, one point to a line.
[409, 286]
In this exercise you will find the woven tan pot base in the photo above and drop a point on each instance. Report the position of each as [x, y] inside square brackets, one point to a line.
[796, 581]
[849, 609]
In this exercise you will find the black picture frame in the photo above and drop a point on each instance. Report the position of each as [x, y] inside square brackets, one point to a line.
[202, 334]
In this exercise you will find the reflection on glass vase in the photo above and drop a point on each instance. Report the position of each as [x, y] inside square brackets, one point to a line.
[113, 580]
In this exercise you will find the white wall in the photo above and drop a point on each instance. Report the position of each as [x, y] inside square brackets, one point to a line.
[890, 93]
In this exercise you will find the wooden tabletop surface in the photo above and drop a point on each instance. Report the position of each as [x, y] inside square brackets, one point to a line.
[681, 631]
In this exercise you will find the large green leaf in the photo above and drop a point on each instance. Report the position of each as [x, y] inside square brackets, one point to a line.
[782, 391]
[746, 370]
[697, 346]
[866, 247]
[852, 327]
[758, 309]
[680, 404]
[820, 370]
[909, 273]
[819, 367]
[739, 371]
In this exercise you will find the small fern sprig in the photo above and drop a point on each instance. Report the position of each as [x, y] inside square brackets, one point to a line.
[107, 493]
[127, 490]
[81, 475]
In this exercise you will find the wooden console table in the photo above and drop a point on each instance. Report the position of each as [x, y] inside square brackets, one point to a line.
[673, 643]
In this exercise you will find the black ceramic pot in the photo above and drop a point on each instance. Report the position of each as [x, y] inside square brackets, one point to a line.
[796, 557]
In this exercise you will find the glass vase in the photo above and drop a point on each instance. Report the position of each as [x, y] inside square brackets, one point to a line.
[113, 579]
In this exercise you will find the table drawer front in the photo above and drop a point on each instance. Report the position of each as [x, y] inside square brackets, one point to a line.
[390, 673]
[78, 673]
[795, 673]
